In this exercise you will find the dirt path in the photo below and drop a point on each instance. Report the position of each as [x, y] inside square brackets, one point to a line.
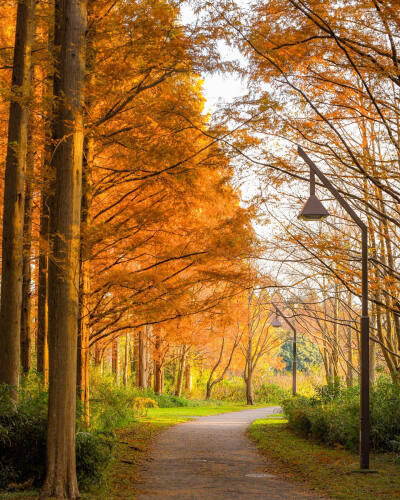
[211, 458]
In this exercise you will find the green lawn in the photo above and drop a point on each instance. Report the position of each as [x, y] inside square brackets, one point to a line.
[326, 470]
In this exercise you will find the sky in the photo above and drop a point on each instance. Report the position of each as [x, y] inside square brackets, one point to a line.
[218, 87]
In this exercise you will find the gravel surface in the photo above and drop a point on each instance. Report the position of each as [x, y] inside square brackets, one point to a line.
[211, 458]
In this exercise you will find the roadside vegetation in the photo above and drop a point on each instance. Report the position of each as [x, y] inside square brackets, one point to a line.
[316, 440]
[124, 420]
[329, 470]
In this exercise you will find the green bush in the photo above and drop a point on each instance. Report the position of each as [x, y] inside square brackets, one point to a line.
[270, 393]
[332, 416]
[93, 454]
[23, 440]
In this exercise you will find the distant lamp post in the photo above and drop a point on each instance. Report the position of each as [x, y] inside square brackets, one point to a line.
[314, 210]
[277, 324]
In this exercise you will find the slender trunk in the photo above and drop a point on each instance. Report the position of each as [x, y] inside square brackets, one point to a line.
[142, 361]
[349, 370]
[136, 347]
[98, 355]
[115, 360]
[84, 286]
[181, 372]
[126, 359]
[158, 369]
[42, 314]
[13, 211]
[335, 350]
[83, 345]
[149, 364]
[46, 199]
[26, 335]
[188, 378]
[249, 388]
[158, 377]
[70, 27]
[372, 362]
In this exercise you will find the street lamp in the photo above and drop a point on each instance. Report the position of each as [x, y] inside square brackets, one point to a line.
[277, 323]
[314, 210]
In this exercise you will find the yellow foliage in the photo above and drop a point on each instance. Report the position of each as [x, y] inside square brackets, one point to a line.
[141, 406]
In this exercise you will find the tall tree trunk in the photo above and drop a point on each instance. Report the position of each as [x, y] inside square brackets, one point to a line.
[181, 372]
[335, 350]
[126, 358]
[115, 359]
[70, 28]
[188, 378]
[26, 336]
[158, 377]
[158, 368]
[42, 314]
[46, 199]
[98, 355]
[142, 360]
[84, 289]
[13, 211]
[136, 348]
[249, 385]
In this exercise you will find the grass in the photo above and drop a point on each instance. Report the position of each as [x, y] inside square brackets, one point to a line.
[133, 443]
[326, 470]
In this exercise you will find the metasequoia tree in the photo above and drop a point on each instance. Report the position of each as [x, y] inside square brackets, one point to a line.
[13, 211]
[70, 26]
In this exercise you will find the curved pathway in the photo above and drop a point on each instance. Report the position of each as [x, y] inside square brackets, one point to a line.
[210, 458]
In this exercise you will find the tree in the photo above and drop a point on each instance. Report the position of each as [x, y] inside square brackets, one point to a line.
[13, 212]
[70, 26]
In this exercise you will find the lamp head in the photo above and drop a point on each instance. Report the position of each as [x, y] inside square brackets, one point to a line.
[276, 323]
[313, 209]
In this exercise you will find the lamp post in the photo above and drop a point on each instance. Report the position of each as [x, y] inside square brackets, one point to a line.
[277, 323]
[314, 210]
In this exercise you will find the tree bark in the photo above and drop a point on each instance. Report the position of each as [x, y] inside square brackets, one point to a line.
[181, 371]
[13, 212]
[26, 335]
[249, 388]
[115, 360]
[70, 27]
[188, 378]
[84, 289]
[126, 358]
[42, 314]
[46, 199]
[142, 360]
[158, 367]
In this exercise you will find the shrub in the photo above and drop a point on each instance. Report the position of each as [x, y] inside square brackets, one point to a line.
[141, 406]
[332, 416]
[93, 453]
[23, 440]
[271, 393]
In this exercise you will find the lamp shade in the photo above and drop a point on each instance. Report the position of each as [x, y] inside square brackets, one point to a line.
[313, 209]
[276, 323]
